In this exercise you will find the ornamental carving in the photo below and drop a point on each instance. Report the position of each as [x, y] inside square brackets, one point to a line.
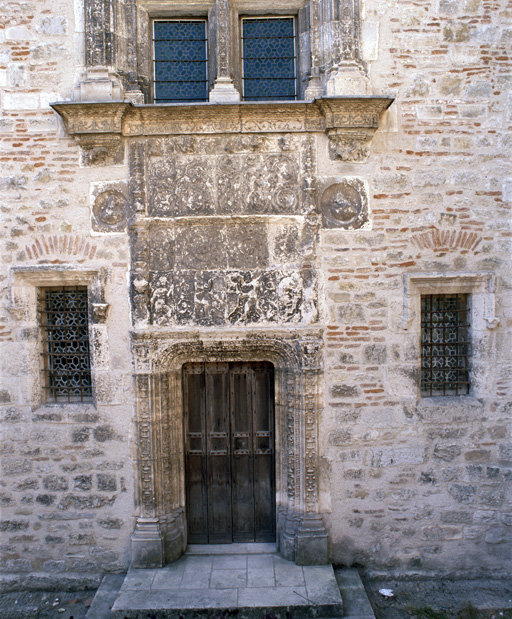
[109, 212]
[344, 205]
[223, 184]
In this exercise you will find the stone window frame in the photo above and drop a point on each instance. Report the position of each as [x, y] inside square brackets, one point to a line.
[238, 9]
[481, 289]
[300, 87]
[26, 284]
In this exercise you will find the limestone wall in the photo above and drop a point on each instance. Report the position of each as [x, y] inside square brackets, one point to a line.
[67, 491]
[406, 482]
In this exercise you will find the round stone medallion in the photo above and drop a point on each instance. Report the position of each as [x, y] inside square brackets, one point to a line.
[110, 208]
[342, 206]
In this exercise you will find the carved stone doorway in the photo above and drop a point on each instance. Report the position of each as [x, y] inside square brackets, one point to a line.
[161, 534]
[229, 452]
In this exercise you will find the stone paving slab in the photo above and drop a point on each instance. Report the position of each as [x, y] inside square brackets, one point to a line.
[252, 585]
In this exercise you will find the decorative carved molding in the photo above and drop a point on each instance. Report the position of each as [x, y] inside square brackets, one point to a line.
[101, 150]
[482, 285]
[334, 115]
[92, 118]
[349, 145]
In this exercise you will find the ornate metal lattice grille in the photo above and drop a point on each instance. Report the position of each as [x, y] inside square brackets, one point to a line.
[445, 344]
[180, 61]
[269, 58]
[66, 359]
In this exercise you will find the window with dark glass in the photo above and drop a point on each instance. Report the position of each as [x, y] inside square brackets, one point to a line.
[66, 359]
[180, 61]
[445, 344]
[269, 59]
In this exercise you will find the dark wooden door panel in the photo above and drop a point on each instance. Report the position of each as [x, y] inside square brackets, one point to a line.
[195, 452]
[229, 415]
[241, 454]
[263, 453]
[219, 466]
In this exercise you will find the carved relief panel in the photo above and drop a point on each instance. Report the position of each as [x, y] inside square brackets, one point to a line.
[232, 273]
[222, 176]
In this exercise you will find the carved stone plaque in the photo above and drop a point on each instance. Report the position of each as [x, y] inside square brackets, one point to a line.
[109, 209]
[344, 205]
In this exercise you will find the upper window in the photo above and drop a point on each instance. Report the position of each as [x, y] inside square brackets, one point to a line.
[65, 327]
[269, 59]
[445, 344]
[180, 61]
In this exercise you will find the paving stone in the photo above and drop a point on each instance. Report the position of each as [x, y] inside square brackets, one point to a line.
[249, 584]
[228, 579]
[230, 563]
[169, 576]
[272, 596]
[288, 574]
[138, 579]
[261, 577]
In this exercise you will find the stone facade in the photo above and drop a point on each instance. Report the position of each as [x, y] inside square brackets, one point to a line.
[301, 233]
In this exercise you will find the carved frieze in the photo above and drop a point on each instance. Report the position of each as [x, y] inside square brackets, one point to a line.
[223, 184]
[344, 205]
[338, 112]
[238, 273]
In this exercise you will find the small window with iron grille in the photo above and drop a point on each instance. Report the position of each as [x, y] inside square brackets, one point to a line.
[445, 344]
[65, 334]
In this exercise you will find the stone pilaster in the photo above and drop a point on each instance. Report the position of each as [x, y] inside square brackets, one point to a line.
[223, 90]
[346, 75]
[99, 81]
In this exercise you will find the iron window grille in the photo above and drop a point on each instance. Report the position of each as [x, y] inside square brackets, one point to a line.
[66, 356]
[269, 58]
[180, 61]
[445, 344]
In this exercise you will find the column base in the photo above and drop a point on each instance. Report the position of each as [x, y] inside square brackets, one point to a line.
[98, 84]
[224, 91]
[147, 544]
[347, 79]
[312, 541]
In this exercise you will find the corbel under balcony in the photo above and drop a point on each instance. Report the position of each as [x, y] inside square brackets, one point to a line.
[349, 122]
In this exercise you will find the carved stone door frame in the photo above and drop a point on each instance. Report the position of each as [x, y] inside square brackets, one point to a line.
[160, 533]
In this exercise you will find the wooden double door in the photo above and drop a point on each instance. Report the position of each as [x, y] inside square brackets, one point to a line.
[229, 452]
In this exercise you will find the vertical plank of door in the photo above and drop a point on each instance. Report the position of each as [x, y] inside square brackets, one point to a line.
[195, 450]
[263, 440]
[219, 473]
[241, 452]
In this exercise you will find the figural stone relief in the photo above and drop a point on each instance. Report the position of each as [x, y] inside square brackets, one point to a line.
[236, 176]
[230, 277]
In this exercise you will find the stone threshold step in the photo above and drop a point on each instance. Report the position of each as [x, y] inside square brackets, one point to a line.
[231, 549]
